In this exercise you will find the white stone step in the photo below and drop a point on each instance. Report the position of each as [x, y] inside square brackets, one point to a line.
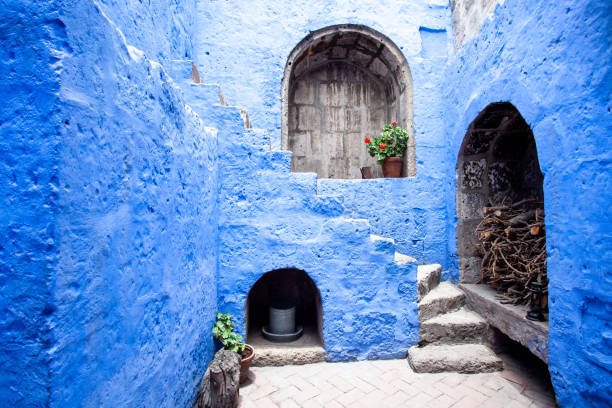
[428, 277]
[383, 244]
[270, 355]
[462, 358]
[444, 298]
[461, 326]
[403, 259]
[374, 238]
[245, 118]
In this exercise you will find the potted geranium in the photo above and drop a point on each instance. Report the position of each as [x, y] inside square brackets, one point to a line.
[223, 331]
[389, 148]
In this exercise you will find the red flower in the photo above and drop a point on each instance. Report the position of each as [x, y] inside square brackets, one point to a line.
[389, 141]
[394, 123]
[382, 146]
[367, 140]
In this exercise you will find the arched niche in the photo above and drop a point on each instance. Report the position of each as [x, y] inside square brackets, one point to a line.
[283, 285]
[340, 85]
[498, 160]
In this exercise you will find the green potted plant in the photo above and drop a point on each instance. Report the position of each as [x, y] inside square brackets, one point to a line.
[389, 148]
[223, 331]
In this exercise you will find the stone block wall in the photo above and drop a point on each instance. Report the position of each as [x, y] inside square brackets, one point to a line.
[331, 112]
[469, 15]
[552, 62]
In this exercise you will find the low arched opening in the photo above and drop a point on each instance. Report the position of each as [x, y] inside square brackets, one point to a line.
[279, 288]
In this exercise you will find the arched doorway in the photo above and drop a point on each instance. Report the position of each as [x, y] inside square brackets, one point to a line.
[341, 84]
[497, 165]
[281, 286]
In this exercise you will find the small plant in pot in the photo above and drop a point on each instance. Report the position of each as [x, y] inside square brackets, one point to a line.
[223, 331]
[389, 148]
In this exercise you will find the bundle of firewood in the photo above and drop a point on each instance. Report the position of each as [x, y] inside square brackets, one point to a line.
[513, 249]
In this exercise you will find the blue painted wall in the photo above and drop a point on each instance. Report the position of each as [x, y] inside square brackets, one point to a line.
[553, 61]
[272, 219]
[29, 157]
[109, 190]
[412, 212]
[137, 182]
[164, 29]
[128, 222]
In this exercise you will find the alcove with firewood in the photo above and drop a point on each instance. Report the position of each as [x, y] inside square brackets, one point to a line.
[501, 232]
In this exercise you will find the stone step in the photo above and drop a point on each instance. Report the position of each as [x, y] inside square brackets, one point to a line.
[279, 160]
[428, 277]
[403, 259]
[257, 138]
[444, 298]
[461, 326]
[245, 118]
[331, 205]
[182, 70]
[270, 355]
[205, 93]
[225, 118]
[383, 244]
[462, 358]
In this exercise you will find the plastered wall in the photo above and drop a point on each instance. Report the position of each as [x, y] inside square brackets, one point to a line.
[109, 185]
[128, 223]
[552, 62]
[414, 216]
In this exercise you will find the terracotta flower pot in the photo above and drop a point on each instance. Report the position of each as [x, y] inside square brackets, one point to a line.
[392, 167]
[247, 357]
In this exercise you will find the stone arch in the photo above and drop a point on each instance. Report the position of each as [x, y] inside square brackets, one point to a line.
[283, 285]
[498, 159]
[340, 84]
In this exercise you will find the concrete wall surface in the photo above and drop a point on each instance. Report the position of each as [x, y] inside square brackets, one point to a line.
[552, 61]
[108, 287]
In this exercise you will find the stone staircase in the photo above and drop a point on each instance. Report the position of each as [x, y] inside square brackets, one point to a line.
[261, 180]
[451, 336]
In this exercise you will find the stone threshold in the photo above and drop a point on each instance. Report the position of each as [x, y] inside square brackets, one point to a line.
[269, 355]
[305, 350]
[509, 319]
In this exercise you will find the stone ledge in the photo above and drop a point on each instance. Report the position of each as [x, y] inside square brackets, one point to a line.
[269, 355]
[509, 319]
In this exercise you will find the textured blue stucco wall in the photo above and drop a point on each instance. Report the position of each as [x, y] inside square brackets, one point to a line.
[29, 140]
[410, 211]
[553, 61]
[127, 222]
[272, 219]
[109, 190]
[163, 29]
[134, 289]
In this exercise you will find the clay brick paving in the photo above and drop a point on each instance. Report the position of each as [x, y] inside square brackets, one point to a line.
[390, 383]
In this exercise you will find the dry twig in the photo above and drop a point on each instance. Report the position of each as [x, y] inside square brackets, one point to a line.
[513, 248]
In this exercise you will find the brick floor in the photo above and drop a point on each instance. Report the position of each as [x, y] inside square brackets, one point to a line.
[390, 383]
